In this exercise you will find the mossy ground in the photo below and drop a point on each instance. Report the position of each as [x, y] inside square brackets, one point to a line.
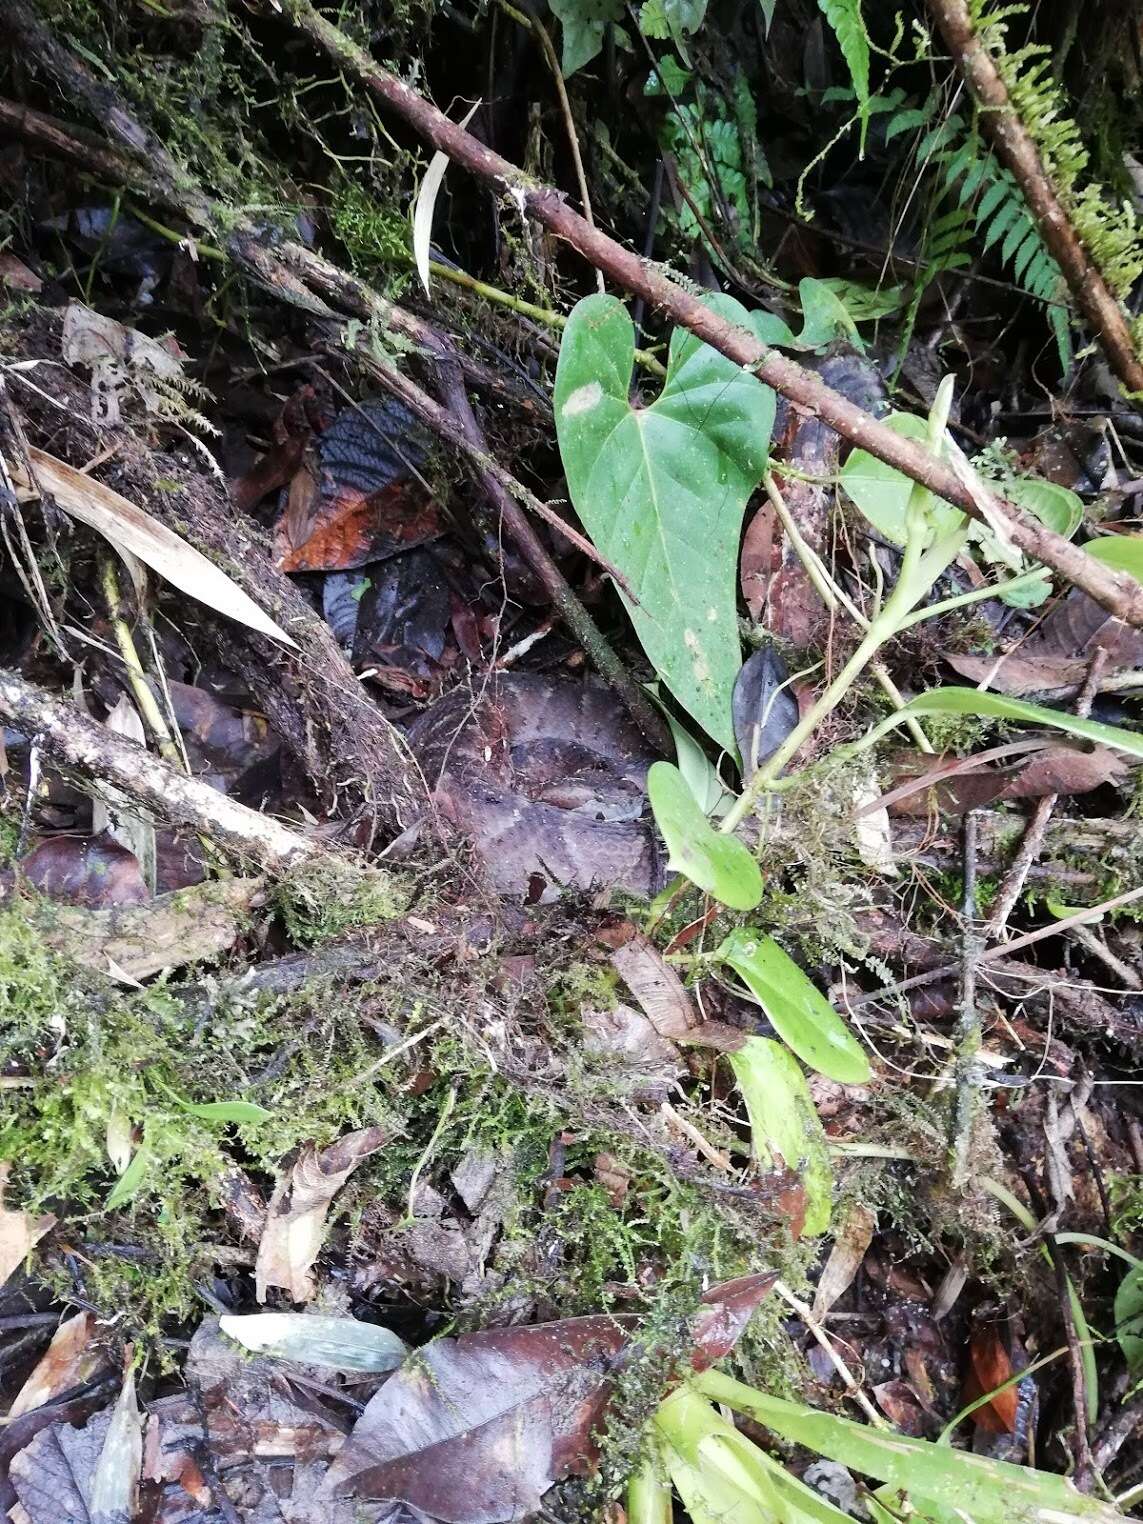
[92, 1058]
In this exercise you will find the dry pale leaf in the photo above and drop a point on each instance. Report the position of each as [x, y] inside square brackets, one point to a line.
[656, 986]
[19, 1233]
[849, 1247]
[295, 1219]
[125, 362]
[115, 1483]
[131, 528]
[68, 1361]
[426, 206]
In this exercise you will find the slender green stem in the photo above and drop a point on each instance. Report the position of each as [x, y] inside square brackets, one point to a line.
[977, 595]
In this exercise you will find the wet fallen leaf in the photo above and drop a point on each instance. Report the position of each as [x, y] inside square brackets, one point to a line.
[403, 615]
[295, 1219]
[763, 706]
[989, 1367]
[475, 1430]
[361, 501]
[953, 786]
[655, 985]
[53, 1474]
[901, 1405]
[19, 1233]
[759, 560]
[91, 871]
[15, 274]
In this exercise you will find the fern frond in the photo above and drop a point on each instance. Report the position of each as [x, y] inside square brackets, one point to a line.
[848, 24]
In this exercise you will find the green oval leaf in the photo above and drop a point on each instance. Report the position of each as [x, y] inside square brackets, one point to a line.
[801, 1014]
[997, 707]
[784, 1125]
[662, 489]
[882, 492]
[227, 1111]
[1122, 552]
[343, 1344]
[717, 863]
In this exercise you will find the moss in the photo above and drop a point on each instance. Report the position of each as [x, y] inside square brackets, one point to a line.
[317, 902]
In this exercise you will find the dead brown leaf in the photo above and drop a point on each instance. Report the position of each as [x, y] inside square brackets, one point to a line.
[656, 986]
[70, 1360]
[295, 1218]
[19, 1233]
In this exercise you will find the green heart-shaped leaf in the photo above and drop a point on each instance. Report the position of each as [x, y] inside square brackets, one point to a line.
[717, 863]
[801, 1014]
[661, 490]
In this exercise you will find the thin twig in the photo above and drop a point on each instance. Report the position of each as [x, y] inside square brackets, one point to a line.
[1121, 594]
[1033, 839]
[1017, 150]
[853, 1386]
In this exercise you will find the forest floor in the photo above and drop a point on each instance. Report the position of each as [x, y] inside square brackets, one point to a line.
[571, 812]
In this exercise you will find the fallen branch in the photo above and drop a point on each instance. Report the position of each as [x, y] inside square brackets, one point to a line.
[1017, 150]
[1120, 594]
[100, 754]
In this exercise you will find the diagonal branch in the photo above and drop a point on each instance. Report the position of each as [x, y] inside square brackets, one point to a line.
[1118, 593]
[1017, 150]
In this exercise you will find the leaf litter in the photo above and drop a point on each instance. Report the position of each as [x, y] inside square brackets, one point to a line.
[608, 1030]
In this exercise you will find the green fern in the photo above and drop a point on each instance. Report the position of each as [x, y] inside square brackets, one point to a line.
[983, 189]
[1108, 230]
[845, 17]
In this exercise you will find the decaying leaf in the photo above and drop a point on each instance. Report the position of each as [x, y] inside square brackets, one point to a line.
[853, 1237]
[655, 985]
[70, 1360]
[124, 362]
[115, 1483]
[132, 942]
[96, 872]
[475, 1430]
[131, 528]
[990, 1366]
[358, 498]
[295, 1219]
[19, 1233]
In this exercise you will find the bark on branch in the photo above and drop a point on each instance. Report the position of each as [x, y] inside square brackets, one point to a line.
[1016, 149]
[1120, 594]
[91, 749]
